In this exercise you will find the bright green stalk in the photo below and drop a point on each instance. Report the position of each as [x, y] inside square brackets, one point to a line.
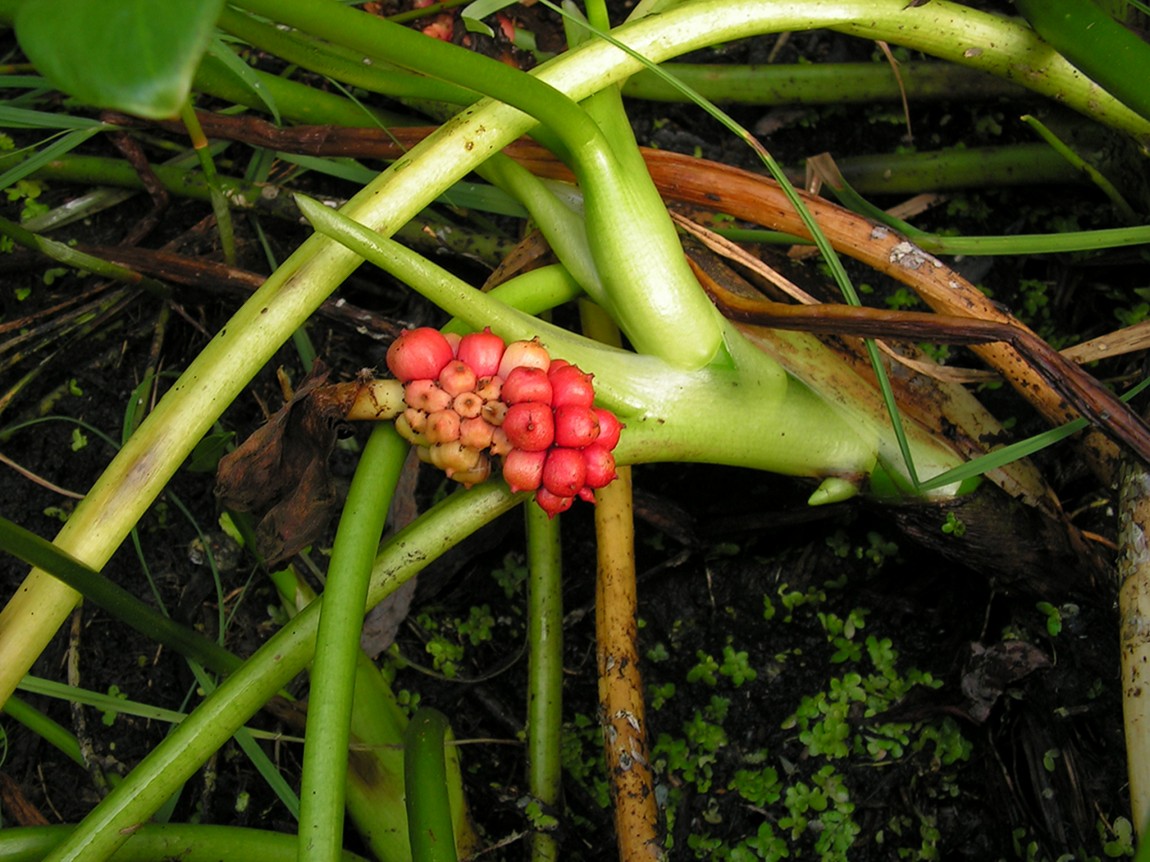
[544, 668]
[214, 378]
[429, 818]
[337, 645]
[284, 655]
[150, 842]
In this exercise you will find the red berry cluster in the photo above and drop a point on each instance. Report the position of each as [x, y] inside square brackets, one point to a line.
[473, 397]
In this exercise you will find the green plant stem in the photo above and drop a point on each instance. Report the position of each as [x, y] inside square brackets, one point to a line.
[333, 60]
[333, 673]
[544, 668]
[62, 253]
[1081, 165]
[51, 731]
[150, 842]
[425, 777]
[1097, 44]
[272, 666]
[220, 207]
[820, 83]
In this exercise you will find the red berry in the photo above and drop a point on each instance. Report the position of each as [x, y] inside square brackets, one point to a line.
[483, 351]
[575, 426]
[552, 504]
[523, 470]
[517, 353]
[525, 383]
[609, 428]
[529, 425]
[457, 377]
[418, 353]
[600, 464]
[569, 385]
[564, 472]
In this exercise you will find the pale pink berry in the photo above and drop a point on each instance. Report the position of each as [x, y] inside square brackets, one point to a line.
[476, 432]
[454, 457]
[416, 419]
[529, 425]
[442, 426]
[575, 426]
[453, 338]
[526, 383]
[522, 470]
[552, 504]
[408, 433]
[500, 445]
[483, 351]
[564, 472]
[489, 388]
[456, 377]
[481, 472]
[517, 353]
[494, 412]
[426, 395]
[467, 404]
[418, 353]
[570, 385]
[600, 464]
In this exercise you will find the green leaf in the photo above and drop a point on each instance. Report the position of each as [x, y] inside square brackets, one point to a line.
[128, 55]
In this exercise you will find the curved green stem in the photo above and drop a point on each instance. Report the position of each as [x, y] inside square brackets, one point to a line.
[333, 672]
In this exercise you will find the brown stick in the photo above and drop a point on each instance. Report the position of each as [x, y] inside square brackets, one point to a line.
[620, 684]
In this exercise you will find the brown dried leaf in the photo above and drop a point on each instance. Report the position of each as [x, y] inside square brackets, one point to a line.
[280, 474]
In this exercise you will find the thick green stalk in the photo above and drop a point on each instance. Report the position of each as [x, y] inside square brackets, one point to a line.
[544, 669]
[429, 820]
[333, 673]
[272, 666]
[214, 378]
[1102, 48]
